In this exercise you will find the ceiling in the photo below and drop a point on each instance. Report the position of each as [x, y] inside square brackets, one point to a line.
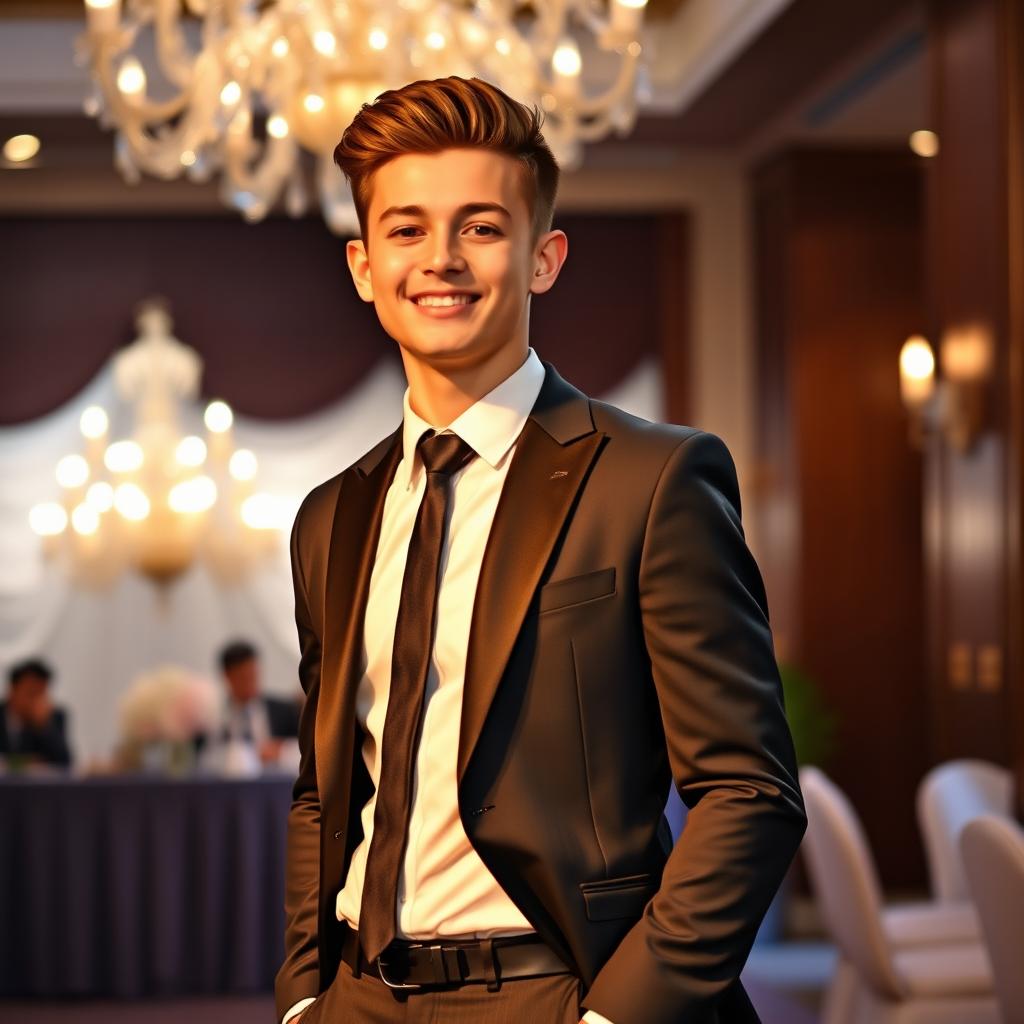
[746, 76]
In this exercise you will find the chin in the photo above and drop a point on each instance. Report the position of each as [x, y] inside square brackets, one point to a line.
[429, 346]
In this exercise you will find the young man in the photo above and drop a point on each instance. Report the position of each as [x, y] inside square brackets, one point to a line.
[523, 615]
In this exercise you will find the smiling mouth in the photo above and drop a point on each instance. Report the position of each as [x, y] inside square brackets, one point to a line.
[444, 302]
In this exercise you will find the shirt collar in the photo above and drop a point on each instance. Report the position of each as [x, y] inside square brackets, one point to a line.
[489, 426]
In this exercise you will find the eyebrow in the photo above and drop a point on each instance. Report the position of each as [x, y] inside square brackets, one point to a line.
[466, 208]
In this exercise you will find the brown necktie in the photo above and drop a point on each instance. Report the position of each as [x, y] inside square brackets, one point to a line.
[443, 455]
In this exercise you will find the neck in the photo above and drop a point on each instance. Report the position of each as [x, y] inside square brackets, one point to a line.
[440, 394]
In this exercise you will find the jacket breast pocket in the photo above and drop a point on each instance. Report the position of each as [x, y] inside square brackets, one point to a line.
[625, 896]
[577, 589]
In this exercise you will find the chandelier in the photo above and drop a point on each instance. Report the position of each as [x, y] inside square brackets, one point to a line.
[161, 499]
[247, 86]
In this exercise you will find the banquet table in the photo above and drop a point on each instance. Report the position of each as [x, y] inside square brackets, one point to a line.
[134, 886]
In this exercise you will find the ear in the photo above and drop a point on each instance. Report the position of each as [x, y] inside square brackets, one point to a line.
[552, 249]
[359, 268]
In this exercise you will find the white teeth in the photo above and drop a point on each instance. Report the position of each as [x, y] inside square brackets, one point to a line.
[446, 300]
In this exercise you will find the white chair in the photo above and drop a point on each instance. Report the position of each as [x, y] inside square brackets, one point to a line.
[993, 855]
[877, 980]
[950, 796]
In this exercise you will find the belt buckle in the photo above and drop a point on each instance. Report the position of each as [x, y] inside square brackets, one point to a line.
[442, 956]
[387, 981]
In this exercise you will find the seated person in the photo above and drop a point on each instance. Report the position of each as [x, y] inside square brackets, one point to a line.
[263, 721]
[30, 725]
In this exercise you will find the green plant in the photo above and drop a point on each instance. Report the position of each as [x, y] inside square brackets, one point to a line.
[810, 721]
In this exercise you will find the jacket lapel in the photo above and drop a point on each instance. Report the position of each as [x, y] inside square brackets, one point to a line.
[354, 535]
[553, 454]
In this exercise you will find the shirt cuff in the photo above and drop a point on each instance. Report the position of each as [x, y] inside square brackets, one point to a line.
[590, 1017]
[303, 1003]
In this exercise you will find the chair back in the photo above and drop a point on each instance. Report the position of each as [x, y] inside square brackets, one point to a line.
[949, 796]
[992, 847]
[845, 883]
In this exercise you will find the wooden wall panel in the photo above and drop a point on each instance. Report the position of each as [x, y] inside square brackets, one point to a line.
[972, 499]
[840, 287]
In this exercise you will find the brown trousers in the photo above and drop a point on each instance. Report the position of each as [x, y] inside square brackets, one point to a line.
[550, 999]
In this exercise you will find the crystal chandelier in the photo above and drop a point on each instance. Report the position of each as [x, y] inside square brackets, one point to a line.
[161, 499]
[247, 86]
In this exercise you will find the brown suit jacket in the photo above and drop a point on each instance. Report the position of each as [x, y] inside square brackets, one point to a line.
[619, 644]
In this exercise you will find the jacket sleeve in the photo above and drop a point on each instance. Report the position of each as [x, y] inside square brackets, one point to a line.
[705, 623]
[298, 975]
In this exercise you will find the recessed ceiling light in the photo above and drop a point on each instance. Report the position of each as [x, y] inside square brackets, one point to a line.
[19, 148]
[924, 143]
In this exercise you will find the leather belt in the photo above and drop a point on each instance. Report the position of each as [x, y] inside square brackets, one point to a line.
[409, 964]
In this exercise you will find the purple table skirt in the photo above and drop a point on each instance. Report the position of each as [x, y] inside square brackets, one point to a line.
[137, 886]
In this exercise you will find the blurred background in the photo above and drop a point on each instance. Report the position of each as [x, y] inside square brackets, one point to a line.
[797, 224]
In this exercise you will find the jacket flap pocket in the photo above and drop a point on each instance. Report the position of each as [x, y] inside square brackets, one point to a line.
[577, 589]
[617, 897]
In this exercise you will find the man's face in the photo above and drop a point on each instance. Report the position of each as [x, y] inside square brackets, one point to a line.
[244, 680]
[25, 693]
[453, 222]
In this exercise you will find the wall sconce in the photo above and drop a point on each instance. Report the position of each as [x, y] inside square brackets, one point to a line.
[954, 406]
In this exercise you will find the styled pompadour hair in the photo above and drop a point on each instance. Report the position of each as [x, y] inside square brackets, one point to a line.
[428, 116]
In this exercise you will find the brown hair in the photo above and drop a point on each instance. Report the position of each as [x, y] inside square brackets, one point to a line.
[428, 116]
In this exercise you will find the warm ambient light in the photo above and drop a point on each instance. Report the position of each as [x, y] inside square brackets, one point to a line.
[193, 496]
[123, 457]
[20, 148]
[917, 370]
[94, 422]
[191, 451]
[242, 465]
[85, 520]
[48, 519]
[100, 496]
[566, 60]
[131, 78]
[72, 471]
[924, 143]
[131, 502]
[218, 417]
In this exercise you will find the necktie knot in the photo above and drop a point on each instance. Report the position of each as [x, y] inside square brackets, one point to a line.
[444, 453]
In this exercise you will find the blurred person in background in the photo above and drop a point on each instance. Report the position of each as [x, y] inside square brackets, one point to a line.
[31, 727]
[250, 716]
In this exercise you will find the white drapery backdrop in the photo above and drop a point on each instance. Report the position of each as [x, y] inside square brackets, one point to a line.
[98, 642]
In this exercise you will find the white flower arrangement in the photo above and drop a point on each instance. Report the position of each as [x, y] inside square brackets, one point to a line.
[170, 704]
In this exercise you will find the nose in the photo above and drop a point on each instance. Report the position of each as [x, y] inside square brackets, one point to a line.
[445, 255]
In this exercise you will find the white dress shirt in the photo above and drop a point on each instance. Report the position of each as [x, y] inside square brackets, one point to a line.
[445, 889]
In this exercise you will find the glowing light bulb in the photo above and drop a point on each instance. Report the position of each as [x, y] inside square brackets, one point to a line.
[72, 471]
[94, 422]
[100, 496]
[48, 519]
[85, 520]
[378, 39]
[218, 417]
[924, 143]
[131, 78]
[131, 502]
[123, 457]
[19, 148]
[193, 496]
[566, 60]
[324, 42]
[230, 94]
[277, 127]
[242, 465]
[191, 451]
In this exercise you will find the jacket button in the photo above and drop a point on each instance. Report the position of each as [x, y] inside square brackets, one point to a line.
[337, 835]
